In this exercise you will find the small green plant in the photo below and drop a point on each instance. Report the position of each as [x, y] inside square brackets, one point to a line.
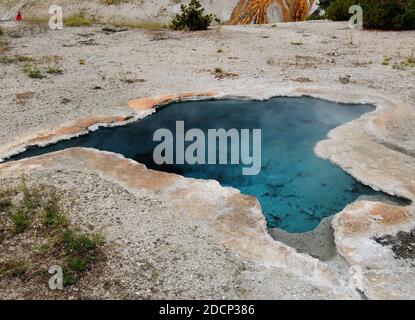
[297, 43]
[33, 72]
[82, 62]
[192, 18]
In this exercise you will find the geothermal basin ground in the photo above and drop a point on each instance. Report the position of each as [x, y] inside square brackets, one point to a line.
[175, 237]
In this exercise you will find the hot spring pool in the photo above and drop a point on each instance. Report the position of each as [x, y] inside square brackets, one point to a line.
[295, 188]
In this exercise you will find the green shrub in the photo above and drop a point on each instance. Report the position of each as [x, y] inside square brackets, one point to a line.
[324, 4]
[377, 14]
[192, 18]
[408, 17]
[338, 10]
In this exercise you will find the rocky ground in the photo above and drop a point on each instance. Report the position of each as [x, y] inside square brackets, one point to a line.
[158, 251]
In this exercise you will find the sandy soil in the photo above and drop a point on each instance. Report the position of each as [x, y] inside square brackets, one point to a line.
[312, 55]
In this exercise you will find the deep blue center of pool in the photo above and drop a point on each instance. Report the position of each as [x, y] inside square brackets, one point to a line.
[295, 188]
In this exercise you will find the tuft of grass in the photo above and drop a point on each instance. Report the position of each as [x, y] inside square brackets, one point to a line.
[6, 197]
[16, 59]
[386, 61]
[220, 50]
[3, 43]
[80, 243]
[271, 61]
[148, 25]
[81, 251]
[82, 62]
[6, 60]
[76, 264]
[20, 221]
[297, 43]
[218, 70]
[45, 248]
[220, 74]
[52, 215]
[32, 196]
[20, 58]
[37, 20]
[35, 213]
[113, 2]
[68, 277]
[13, 268]
[5, 203]
[77, 21]
[54, 70]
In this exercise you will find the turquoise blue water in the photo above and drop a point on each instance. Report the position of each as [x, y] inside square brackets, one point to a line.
[295, 188]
